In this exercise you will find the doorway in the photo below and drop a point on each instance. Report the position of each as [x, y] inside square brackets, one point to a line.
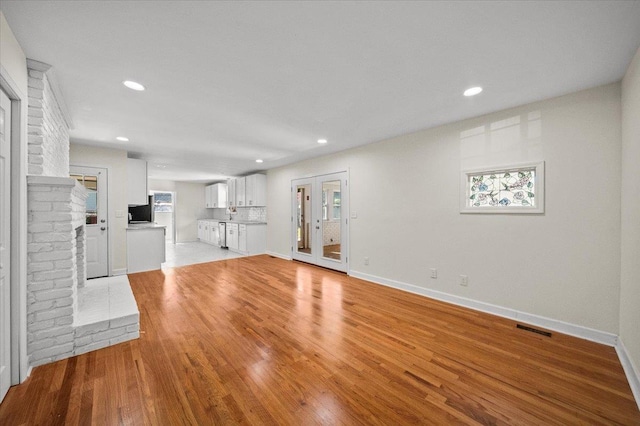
[164, 213]
[320, 220]
[94, 179]
[5, 244]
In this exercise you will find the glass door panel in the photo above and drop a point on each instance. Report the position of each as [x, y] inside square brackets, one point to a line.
[303, 225]
[331, 223]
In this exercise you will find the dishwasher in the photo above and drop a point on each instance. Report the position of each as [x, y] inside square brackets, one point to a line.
[222, 239]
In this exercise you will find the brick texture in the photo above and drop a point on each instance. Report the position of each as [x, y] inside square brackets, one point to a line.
[48, 139]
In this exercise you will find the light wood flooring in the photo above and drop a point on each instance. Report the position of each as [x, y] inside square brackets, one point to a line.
[259, 340]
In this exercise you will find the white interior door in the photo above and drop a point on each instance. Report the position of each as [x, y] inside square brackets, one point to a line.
[94, 180]
[320, 220]
[5, 246]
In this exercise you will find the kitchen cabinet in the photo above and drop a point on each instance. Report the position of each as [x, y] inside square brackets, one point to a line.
[240, 192]
[137, 191]
[232, 236]
[242, 237]
[145, 248]
[256, 190]
[231, 193]
[216, 196]
[252, 238]
[214, 233]
[201, 231]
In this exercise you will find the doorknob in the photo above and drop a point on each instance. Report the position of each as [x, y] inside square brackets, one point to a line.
[317, 227]
[103, 228]
[102, 221]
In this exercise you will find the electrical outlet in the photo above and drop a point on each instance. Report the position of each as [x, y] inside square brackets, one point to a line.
[434, 273]
[354, 215]
[464, 280]
[366, 261]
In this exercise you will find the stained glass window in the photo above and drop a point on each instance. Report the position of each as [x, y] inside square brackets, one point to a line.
[509, 190]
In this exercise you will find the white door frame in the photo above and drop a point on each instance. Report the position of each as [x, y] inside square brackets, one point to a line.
[103, 219]
[5, 247]
[316, 256]
[19, 361]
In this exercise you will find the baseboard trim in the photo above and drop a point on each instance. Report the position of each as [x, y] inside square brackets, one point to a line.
[633, 375]
[597, 336]
[122, 271]
[278, 255]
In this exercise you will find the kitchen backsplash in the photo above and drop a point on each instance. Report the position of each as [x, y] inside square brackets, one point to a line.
[254, 214]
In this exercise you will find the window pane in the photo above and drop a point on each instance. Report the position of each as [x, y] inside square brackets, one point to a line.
[91, 184]
[163, 202]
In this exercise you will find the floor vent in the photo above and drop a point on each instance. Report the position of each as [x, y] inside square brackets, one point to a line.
[533, 330]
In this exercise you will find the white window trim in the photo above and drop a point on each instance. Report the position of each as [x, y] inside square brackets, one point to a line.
[465, 206]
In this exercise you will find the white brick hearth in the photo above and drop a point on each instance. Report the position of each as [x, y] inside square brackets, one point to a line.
[107, 314]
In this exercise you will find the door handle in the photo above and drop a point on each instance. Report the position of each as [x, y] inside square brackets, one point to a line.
[102, 220]
[103, 228]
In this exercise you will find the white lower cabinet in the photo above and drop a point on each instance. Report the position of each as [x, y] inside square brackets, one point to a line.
[202, 236]
[145, 248]
[232, 236]
[214, 233]
[243, 238]
[252, 238]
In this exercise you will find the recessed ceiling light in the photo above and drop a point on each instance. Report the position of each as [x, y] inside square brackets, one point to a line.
[122, 139]
[322, 141]
[259, 160]
[161, 166]
[472, 91]
[133, 85]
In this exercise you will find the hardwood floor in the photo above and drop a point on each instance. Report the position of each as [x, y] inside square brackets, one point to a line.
[260, 340]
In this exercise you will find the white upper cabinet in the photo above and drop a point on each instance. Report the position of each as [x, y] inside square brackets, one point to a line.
[216, 196]
[231, 193]
[247, 191]
[240, 192]
[256, 190]
[137, 191]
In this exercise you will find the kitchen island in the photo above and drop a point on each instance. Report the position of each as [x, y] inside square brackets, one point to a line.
[145, 247]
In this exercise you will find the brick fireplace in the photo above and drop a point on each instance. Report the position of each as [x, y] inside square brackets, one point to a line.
[66, 315]
[56, 265]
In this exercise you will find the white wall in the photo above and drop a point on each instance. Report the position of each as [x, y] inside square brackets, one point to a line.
[630, 269]
[563, 265]
[115, 161]
[189, 204]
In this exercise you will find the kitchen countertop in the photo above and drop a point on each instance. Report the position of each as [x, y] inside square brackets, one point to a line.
[244, 222]
[143, 225]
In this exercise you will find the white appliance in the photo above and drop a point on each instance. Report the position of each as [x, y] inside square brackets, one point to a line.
[222, 239]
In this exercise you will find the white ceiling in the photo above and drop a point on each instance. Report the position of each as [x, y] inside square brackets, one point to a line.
[229, 82]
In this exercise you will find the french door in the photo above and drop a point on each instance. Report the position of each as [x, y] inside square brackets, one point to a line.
[320, 207]
[94, 179]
